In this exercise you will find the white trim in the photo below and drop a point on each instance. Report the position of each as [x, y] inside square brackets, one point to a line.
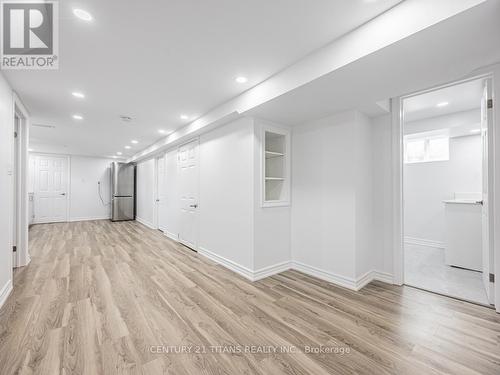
[233, 266]
[247, 273]
[493, 73]
[172, 236]
[145, 222]
[5, 292]
[384, 277]
[424, 242]
[23, 257]
[397, 190]
[284, 131]
[339, 280]
[272, 270]
[344, 281]
[89, 218]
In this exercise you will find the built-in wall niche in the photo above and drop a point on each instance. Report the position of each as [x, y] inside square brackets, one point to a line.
[276, 179]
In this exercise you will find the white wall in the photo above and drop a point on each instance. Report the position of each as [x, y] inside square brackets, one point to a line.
[226, 192]
[233, 227]
[382, 193]
[85, 203]
[332, 214]
[272, 225]
[328, 230]
[365, 251]
[323, 193]
[145, 194]
[85, 172]
[426, 185]
[6, 187]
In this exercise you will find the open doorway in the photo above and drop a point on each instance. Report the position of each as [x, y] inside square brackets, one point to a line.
[445, 191]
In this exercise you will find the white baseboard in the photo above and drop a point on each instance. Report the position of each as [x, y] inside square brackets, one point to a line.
[383, 277]
[5, 292]
[373, 275]
[424, 242]
[233, 266]
[271, 270]
[331, 277]
[172, 236]
[343, 281]
[90, 218]
[145, 222]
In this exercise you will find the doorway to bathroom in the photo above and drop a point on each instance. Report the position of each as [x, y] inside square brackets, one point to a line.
[446, 221]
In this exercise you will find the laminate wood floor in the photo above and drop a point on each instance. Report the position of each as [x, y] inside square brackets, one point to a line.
[119, 298]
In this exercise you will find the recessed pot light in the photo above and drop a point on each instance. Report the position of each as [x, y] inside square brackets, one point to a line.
[118, 153]
[442, 104]
[82, 14]
[79, 95]
[134, 141]
[161, 131]
[241, 79]
[78, 117]
[184, 117]
[30, 150]
[127, 147]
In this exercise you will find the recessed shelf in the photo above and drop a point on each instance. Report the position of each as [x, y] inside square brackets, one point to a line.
[275, 174]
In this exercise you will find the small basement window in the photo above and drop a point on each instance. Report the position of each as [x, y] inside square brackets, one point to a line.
[426, 149]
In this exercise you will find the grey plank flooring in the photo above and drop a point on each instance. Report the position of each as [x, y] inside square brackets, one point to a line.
[119, 298]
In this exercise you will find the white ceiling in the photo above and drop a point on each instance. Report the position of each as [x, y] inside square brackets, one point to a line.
[440, 54]
[156, 60]
[460, 98]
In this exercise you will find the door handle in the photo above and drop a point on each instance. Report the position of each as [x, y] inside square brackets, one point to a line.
[193, 205]
[63, 194]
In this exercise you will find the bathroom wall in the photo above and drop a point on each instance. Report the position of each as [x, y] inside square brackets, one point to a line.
[426, 185]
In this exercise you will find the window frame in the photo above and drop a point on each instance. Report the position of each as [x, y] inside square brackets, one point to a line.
[427, 152]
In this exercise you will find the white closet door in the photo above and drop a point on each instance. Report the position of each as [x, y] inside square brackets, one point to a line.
[188, 181]
[51, 189]
[161, 200]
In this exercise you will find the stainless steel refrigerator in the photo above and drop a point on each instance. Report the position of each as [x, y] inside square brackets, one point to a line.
[123, 191]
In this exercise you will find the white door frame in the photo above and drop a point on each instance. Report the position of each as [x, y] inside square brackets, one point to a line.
[22, 173]
[68, 174]
[397, 177]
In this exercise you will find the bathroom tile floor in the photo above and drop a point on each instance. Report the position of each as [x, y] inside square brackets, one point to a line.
[425, 268]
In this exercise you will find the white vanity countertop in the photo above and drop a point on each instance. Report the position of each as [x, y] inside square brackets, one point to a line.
[462, 201]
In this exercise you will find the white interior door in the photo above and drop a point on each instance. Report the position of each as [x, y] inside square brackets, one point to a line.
[161, 197]
[51, 189]
[188, 181]
[486, 126]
